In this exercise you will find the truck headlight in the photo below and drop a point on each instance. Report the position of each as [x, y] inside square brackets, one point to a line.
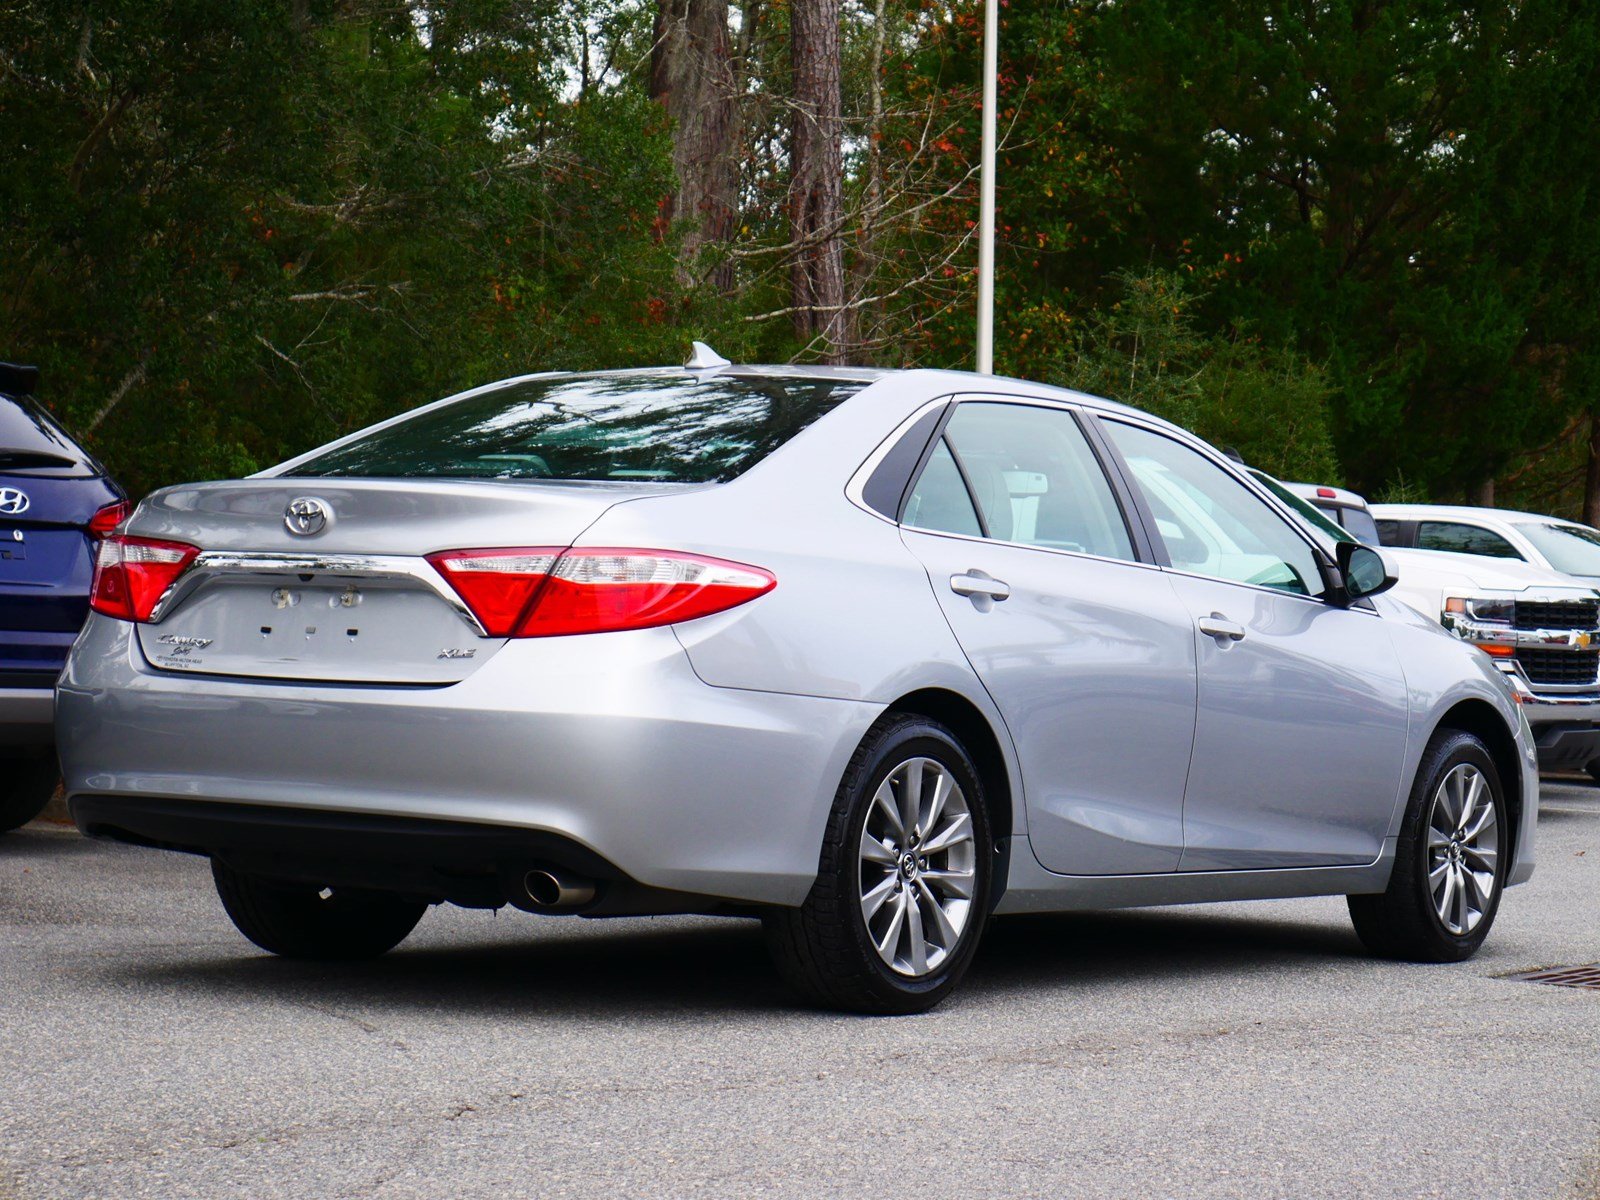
[1481, 609]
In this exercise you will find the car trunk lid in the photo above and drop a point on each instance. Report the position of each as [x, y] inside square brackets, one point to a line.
[354, 599]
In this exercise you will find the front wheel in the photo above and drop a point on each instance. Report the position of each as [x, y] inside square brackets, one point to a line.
[301, 920]
[900, 900]
[1449, 867]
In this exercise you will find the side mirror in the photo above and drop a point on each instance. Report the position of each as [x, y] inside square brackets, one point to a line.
[1365, 571]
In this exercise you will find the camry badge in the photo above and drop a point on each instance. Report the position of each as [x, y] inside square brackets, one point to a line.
[306, 515]
[12, 502]
[181, 646]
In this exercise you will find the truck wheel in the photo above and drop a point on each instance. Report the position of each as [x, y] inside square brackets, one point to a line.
[26, 785]
[301, 920]
[1449, 865]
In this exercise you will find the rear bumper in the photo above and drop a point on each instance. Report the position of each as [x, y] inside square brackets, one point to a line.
[608, 743]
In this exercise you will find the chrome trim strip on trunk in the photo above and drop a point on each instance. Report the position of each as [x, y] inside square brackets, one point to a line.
[213, 564]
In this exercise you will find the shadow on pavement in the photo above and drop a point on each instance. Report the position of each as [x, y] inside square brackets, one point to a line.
[629, 969]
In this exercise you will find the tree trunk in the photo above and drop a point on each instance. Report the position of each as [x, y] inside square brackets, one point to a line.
[1591, 481]
[816, 178]
[1482, 493]
[691, 75]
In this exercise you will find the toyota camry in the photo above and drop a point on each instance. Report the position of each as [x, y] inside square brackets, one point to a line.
[873, 656]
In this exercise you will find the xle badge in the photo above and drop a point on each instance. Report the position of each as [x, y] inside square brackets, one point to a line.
[454, 652]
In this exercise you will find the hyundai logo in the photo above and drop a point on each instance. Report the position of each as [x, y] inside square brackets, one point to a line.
[306, 515]
[12, 502]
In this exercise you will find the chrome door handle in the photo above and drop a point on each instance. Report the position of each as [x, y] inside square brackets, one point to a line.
[1219, 627]
[973, 584]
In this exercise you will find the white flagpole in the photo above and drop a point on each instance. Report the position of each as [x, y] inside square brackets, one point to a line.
[991, 55]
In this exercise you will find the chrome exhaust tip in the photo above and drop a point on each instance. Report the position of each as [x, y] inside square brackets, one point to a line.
[548, 890]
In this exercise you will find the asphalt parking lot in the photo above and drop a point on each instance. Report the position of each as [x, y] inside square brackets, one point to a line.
[1231, 1051]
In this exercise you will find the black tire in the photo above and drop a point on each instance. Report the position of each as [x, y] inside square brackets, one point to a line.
[823, 948]
[1594, 770]
[296, 920]
[1402, 922]
[28, 783]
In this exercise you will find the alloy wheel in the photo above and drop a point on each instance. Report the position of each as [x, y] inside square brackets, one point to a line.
[1463, 849]
[918, 866]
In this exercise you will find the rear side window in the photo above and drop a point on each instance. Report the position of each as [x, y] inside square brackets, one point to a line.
[1032, 477]
[1389, 533]
[940, 501]
[1463, 539]
[670, 427]
[30, 440]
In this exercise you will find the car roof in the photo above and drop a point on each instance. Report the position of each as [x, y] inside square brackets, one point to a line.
[1462, 512]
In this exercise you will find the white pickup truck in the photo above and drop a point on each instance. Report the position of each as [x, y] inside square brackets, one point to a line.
[1541, 628]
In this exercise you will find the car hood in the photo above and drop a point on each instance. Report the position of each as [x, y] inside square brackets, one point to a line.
[1441, 568]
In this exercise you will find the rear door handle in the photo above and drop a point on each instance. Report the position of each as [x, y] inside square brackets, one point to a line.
[1219, 627]
[975, 583]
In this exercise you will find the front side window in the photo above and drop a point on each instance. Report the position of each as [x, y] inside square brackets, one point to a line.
[1571, 549]
[1313, 515]
[653, 427]
[1463, 539]
[1211, 523]
[1032, 478]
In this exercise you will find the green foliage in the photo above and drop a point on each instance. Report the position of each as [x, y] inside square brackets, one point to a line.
[241, 234]
[1146, 348]
[1356, 241]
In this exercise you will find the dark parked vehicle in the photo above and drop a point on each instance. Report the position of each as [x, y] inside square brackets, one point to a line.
[56, 503]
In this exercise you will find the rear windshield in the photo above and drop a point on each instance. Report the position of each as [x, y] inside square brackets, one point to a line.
[667, 428]
[31, 441]
[1359, 522]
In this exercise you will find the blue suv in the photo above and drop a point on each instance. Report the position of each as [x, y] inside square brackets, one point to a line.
[56, 504]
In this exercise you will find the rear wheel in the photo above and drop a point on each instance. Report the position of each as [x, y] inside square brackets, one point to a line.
[26, 785]
[301, 920]
[1449, 865]
[893, 920]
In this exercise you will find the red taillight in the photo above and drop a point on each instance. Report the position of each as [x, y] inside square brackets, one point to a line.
[108, 518]
[132, 573]
[497, 585]
[545, 592]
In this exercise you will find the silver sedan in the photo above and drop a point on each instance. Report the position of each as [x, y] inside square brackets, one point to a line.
[873, 656]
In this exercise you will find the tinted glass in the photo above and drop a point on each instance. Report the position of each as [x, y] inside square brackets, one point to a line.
[1036, 479]
[1571, 549]
[1463, 539]
[940, 500]
[30, 440]
[1313, 515]
[671, 427]
[1388, 532]
[1359, 522]
[1212, 523]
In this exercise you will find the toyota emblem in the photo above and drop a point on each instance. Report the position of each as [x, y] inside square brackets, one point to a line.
[12, 502]
[306, 515]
